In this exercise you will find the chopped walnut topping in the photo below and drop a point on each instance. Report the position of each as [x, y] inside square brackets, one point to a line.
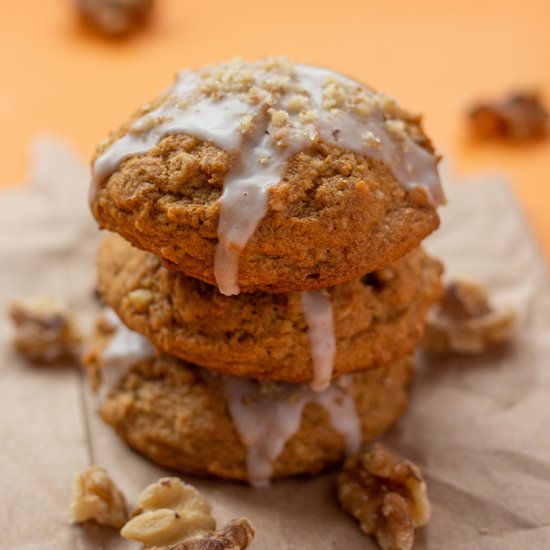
[396, 127]
[363, 105]
[236, 78]
[293, 106]
[308, 117]
[297, 103]
[254, 95]
[334, 94]
[181, 103]
[246, 124]
[279, 118]
[235, 535]
[519, 116]
[264, 158]
[386, 103]
[167, 512]
[277, 83]
[370, 139]
[465, 322]
[147, 123]
[97, 498]
[386, 494]
[279, 64]
[45, 331]
[114, 17]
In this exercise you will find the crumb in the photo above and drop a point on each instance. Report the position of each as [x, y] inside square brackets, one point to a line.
[114, 17]
[235, 535]
[386, 494]
[97, 498]
[464, 321]
[519, 116]
[45, 331]
[167, 512]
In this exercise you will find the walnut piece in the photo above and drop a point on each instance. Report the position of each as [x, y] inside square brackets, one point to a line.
[97, 498]
[114, 17]
[235, 535]
[45, 332]
[140, 299]
[519, 116]
[167, 512]
[464, 321]
[386, 494]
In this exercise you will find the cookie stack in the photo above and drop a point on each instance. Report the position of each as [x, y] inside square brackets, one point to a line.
[263, 321]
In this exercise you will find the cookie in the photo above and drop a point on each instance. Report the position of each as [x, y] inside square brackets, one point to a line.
[269, 176]
[185, 418]
[375, 320]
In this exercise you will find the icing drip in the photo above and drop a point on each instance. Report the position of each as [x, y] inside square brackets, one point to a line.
[267, 416]
[125, 349]
[243, 204]
[264, 424]
[343, 416]
[317, 309]
[262, 113]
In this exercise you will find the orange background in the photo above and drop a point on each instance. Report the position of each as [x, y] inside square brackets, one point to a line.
[433, 55]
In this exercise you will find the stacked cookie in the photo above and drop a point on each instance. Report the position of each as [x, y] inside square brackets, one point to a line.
[276, 286]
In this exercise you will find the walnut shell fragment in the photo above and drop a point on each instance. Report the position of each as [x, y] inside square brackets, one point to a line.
[464, 321]
[45, 331]
[114, 17]
[235, 535]
[518, 116]
[386, 494]
[97, 498]
[167, 512]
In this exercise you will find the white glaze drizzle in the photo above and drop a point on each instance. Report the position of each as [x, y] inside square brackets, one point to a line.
[212, 104]
[125, 349]
[317, 310]
[243, 204]
[266, 415]
[411, 164]
[265, 421]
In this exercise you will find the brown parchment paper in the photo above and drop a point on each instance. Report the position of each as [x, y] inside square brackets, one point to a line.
[478, 428]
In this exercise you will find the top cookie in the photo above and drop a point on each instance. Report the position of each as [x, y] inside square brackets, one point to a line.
[269, 176]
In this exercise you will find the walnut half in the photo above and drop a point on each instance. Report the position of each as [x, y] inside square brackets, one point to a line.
[45, 331]
[97, 498]
[464, 321]
[518, 116]
[235, 535]
[386, 494]
[114, 17]
[167, 512]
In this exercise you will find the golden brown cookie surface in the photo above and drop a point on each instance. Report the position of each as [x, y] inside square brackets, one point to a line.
[342, 186]
[377, 319]
[179, 416]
